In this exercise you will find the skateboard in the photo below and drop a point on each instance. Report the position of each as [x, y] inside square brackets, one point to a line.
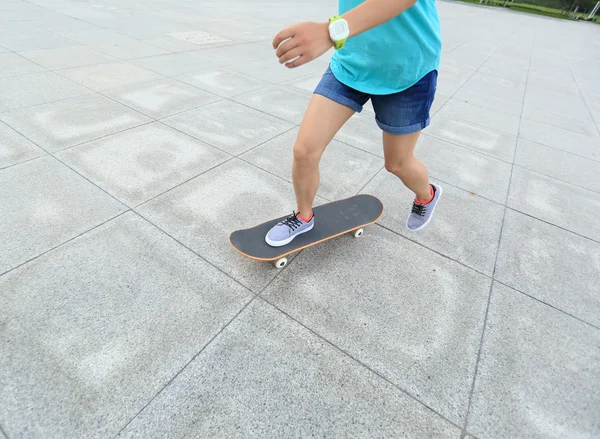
[332, 219]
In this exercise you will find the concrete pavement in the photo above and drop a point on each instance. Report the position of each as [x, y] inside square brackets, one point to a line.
[135, 137]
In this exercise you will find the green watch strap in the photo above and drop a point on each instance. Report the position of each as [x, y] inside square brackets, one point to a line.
[338, 44]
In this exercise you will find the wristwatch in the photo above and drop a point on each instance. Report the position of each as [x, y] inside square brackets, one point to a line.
[338, 31]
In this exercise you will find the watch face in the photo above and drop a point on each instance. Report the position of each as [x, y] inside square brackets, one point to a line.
[339, 30]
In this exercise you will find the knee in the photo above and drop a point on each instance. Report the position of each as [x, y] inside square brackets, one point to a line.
[306, 153]
[396, 167]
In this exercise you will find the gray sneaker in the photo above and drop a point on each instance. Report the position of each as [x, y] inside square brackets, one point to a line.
[286, 230]
[421, 213]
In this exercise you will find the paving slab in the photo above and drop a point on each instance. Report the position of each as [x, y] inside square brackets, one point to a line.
[415, 318]
[345, 169]
[504, 95]
[362, 131]
[306, 84]
[280, 102]
[495, 120]
[469, 239]
[35, 89]
[12, 64]
[568, 104]
[537, 372]
[67, 57]
[559, 203]
[515, 69]
[102, 77]
[172, 44]
[19, 40]
[236, 53]
[559, 138]
[550, 264]
[203, 212]
[44, 204]
[284, 381]
[580, 126]
[271, 71]
[102, 341]
[143, 162]
[453, 75]
[559, 164]
[70, 122]
[438, 103]
[14, 148]
[130, 49]
[213, 124]
[162, 98]
[223, 82]
[90, 37]
[473, 136]
[503, 75]
[177, 64]
[481, 174]
[547, 80]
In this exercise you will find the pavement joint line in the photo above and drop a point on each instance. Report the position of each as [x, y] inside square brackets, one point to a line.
[54, 101]
[597, 191]
[104, 136]
[468, 148]
[493, 277]
[371, 179]
[174, 377]
[552, 224]
[261, 111]
[191, 250]
[235, 317]
[56, 12]
[154, 119]
[64, 242]
[45, 154]
[183, 182]
[581, 93]
[357, 147]
[559, 149]
[548, 304]
[23, 135]
[3, 431]
[476, 124]
[432, 250]
[144, 81]
[359, 362]
[90, 181]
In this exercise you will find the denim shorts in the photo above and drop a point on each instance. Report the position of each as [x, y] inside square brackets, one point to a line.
[399, 113]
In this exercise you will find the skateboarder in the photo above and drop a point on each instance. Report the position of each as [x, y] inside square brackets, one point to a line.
[385, 50]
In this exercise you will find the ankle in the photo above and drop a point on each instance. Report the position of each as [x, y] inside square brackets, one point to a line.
[425, 199]
[305, 218]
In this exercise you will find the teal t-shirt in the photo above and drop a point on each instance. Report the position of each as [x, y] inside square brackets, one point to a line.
[392, 56]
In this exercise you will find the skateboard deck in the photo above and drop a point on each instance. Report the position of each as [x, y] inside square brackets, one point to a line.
[331, 220]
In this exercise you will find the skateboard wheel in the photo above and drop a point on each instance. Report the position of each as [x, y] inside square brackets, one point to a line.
[280, 263]
[358, 233]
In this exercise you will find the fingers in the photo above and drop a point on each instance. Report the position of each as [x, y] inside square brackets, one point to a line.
[290, 55]
[290, 44]
[282, 36]
[303, 59]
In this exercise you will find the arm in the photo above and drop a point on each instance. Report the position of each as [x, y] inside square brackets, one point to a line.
[304, 42]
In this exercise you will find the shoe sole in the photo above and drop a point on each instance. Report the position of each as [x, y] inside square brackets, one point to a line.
[439, 188]
[287, 241]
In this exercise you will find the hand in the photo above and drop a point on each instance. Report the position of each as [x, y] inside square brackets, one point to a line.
[302, 43]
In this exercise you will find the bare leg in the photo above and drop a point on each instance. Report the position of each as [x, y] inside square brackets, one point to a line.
[321, 122]
[401, 161]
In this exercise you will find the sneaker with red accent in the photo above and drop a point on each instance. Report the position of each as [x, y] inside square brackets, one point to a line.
[422, 212]
[286, 230]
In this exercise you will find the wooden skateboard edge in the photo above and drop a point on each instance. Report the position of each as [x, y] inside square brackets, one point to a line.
[283, 255]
